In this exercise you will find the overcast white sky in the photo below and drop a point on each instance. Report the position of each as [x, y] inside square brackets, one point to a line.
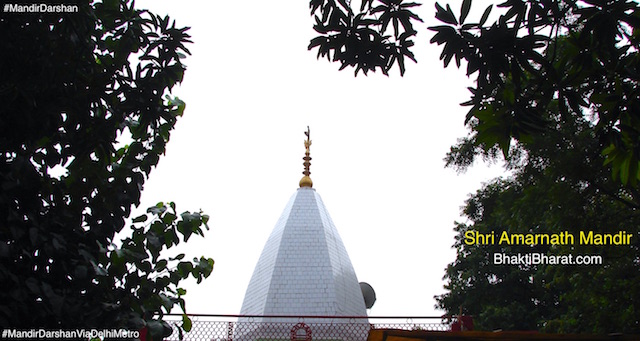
[251, 90]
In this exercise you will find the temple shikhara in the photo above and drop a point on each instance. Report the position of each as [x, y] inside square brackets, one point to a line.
[304, 270]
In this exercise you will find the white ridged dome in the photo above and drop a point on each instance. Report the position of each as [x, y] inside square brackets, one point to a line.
[304, 268]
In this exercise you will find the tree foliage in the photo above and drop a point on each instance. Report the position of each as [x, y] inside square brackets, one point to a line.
[542, 71]
[573, 57]
[376, 36]
[558, 184]
[74, 86]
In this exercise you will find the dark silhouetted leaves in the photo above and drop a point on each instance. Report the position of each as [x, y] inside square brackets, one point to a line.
[73, 88]
[375, 38]
[542, 58]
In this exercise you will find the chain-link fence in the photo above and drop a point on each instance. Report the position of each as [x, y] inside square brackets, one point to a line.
[286, 328]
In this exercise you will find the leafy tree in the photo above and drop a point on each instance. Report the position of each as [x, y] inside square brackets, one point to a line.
[574, 57]
[376, 37]
[74, 86]
[557, 184]
[535, 102]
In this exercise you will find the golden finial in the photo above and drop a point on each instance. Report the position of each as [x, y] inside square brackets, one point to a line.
[306, 180]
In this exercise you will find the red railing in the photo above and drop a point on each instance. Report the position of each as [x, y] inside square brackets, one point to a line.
[291, 327]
